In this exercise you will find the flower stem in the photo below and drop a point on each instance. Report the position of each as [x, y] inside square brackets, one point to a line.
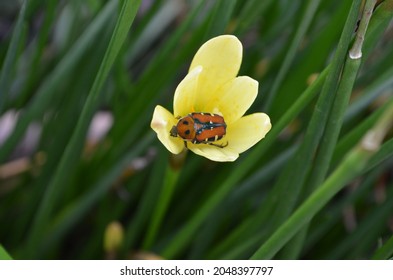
[184, 236]
[293, 177]
[356, 50]
[168, 187]
[333, 125]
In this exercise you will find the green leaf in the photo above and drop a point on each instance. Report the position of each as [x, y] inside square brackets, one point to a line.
[75, 145]
[11, 57]
[4, 254]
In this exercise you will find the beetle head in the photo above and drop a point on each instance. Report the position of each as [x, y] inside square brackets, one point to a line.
[173, 131]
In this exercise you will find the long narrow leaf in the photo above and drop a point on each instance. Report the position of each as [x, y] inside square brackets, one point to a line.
[73, 148]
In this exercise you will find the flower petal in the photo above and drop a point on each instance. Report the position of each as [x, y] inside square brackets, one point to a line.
[234, 98]
[247, 131]
[220, 58]
[185, 94]
[213, 153]
[162, 123]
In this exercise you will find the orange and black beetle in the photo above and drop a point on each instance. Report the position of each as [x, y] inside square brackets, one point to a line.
[200, 128]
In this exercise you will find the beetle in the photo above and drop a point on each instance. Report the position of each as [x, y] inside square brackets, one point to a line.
[200, 128]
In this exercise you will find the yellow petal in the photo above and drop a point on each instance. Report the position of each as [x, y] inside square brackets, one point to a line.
[185, 94]
[220, 58]
[162, 123]
[214, 153]
[234, 98]
[247, 131]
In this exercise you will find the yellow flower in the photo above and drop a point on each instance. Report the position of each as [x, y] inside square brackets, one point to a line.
[211, 86]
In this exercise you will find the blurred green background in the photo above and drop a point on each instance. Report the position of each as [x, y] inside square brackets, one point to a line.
[83, 176]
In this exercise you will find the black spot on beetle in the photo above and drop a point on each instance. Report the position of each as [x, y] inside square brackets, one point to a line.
[185, 122]
[187, 132]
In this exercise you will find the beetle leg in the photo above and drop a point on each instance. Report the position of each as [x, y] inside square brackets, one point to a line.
[219, 145]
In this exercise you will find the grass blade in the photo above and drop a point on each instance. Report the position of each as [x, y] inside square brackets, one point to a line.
[385, 252]
[4, 254]
[335, 121]
[74, 147]
[48, 92]
[9, 62]
[296, 171]
[350, 168]
[309, 12]
[185, 235]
